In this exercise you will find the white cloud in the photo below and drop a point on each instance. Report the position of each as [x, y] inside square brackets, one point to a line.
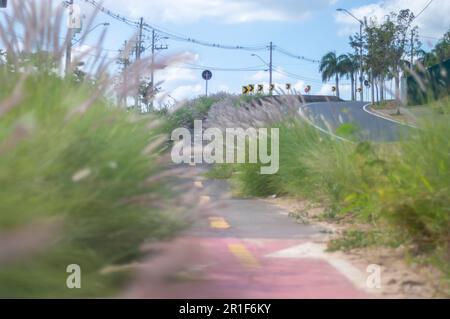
[299, 86]
[262, 76]
[223, 88]
[186, 91]
[433, 22]
[226, 11]
[345, 90]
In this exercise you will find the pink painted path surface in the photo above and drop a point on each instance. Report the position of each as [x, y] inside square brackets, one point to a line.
[217, 273]
[225, 255]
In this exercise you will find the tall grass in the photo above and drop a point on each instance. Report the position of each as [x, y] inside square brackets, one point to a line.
[81, 180]
[195, 109]
[401, 189]
[86, 175]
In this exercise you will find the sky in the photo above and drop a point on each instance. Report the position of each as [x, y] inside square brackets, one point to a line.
[304, 27]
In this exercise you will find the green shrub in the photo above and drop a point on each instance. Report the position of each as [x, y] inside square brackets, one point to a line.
[86, 173]
[196, 109]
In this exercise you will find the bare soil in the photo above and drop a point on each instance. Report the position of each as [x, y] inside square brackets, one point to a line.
[401, 278]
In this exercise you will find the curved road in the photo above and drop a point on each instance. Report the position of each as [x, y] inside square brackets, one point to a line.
[334, 114]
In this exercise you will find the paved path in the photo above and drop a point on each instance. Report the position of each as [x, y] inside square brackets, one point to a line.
[246, 249]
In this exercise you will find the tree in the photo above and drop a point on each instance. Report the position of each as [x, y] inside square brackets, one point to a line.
[331, 66]
[442, 48]
[147, 94]
[349, 66]
[386, 45]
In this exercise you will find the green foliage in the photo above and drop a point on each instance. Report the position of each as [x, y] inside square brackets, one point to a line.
[331, 66]
[401, 189]
[348, 130]
[355, 238]
[220, 171]
[196, 109]
[85, 173]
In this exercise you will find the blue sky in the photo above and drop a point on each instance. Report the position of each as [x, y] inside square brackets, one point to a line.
[308, 28]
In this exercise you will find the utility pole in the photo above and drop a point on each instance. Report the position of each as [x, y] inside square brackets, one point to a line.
[154, 48]
[152, 79]
[361, 58]
[271, 67]
[69, 40]
[139, 40]
[361, 24]
[138, 57]
[412, 49]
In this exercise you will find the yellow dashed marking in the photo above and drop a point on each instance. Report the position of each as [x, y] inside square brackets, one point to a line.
[218, 223]
[204, 200]
[244, 256]
[198, 184]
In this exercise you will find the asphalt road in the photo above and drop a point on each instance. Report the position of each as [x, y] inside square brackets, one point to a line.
[328, 115]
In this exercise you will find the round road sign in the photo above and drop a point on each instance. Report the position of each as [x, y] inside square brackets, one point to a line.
[207, 75]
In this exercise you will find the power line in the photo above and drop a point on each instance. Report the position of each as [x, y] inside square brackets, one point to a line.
[292, 55]
[183, 38]
[425, 8]
[173, 36]
[214, 68]
[112, 14]
[296, 76]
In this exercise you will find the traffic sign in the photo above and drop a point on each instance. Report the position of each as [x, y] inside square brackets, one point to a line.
[272, 87]
[307, 88]
[260, 88]
[251, 88]
[207, 75]
[245, 90]
[333, 89]
[288, 86]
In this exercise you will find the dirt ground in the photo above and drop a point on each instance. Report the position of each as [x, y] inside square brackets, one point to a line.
[400, 279]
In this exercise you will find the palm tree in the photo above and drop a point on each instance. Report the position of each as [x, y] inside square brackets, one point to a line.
[348, 65]
[331, 66]
[427, 58]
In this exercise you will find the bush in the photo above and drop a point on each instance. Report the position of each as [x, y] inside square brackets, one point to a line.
[196, 109]
[84, 172]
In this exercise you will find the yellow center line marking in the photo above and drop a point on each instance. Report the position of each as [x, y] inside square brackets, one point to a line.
[204, 200]
[244, 256]
[218, 223]
[198, 184]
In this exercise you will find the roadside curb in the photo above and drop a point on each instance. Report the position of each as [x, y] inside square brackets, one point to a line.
[377, 114]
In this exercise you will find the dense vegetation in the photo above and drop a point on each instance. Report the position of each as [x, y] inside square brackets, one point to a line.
[387, 50]
[76, 175]
[401, 190]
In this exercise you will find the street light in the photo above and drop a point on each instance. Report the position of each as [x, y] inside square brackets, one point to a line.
[268, 64]
[105, 24]
[361, 24]
[71, 43]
